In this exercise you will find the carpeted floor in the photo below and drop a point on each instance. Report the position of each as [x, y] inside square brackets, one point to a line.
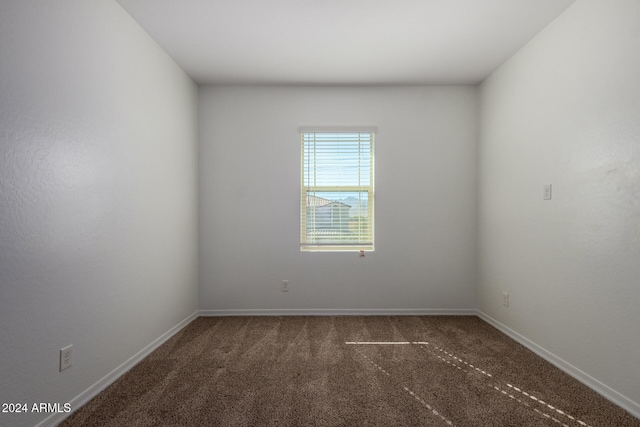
[354, 371]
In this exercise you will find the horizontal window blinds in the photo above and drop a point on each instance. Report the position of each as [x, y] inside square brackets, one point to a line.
[336, 201]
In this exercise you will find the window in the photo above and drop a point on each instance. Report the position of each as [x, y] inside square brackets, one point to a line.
[336, 197]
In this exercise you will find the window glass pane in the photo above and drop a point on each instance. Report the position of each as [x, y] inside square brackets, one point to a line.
[337, 159]
[338, 217]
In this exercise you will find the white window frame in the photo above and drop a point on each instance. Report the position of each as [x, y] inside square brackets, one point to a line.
[366, 240]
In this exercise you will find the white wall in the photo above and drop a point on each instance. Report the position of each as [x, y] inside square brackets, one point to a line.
[249, 166]
[98, 196]
[565, 111]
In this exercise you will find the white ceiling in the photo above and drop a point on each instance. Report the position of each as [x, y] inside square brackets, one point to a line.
[342, 42]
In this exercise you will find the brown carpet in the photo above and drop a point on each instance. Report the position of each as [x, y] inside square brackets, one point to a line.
[318, 371]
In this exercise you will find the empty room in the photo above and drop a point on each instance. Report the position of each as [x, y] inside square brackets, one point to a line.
[320, 212]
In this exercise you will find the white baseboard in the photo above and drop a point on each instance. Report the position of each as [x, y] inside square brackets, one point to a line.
[341, 312]
[607, 392]
[112, 376]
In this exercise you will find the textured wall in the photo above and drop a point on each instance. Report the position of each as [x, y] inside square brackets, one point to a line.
[98, 224]
[250, 193]
[565, 111]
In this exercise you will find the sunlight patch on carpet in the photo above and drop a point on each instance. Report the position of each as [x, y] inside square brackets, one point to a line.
[456, 364]
[559, 411]
[411, 393]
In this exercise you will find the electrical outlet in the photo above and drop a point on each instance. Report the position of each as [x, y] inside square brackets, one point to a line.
[505, 299]
[546, 192]
[285, 286]
[66, 357]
